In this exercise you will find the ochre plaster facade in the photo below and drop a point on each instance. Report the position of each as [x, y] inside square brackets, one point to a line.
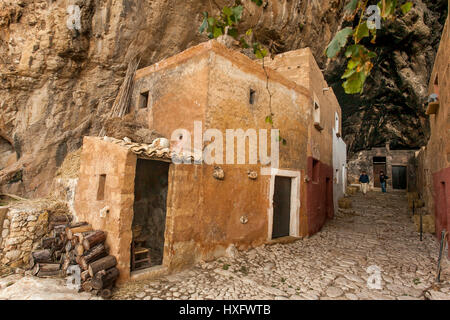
[434, 159]
[221, 89]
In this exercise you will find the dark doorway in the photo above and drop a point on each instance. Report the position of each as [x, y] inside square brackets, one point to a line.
[281, 207]
[399, 177]
[328, 192]
[149, 220]
[379, 164]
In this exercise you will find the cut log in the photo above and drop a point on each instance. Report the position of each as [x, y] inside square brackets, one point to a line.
[47, 243]
[69, 259]
[105, 278]
[44, 255]
[86, 286]
[58, 230]
[95, 253]
[48, 273]
[58, 244]
[57, 255]
[81, 236]
[78, 224]
[102, 264]
[63, 236]
[79, 249]
[31, 261]
[46, 269]
[70, 232]
[60, 218]
[93, 239]
[35, 269]
[53, 225]
[68, 246]
[65, 264]
[85, 275]
[74, 241]
[49, 266]
[106, 293]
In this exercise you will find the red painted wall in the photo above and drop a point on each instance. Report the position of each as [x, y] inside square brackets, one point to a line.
[441, 193]
[319, 196]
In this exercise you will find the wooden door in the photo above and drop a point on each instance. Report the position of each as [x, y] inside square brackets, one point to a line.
[399, 177]
[377, 167]
[281, 207]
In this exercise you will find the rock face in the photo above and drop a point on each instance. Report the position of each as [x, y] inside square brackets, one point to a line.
[57, 84]
[59, 76]
[391, 107]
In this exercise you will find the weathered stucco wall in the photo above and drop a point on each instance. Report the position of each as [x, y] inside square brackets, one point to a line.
[226, 105]
[301, 67]
[339, 168]
[205, 215]
[118, 164]
[434, 159]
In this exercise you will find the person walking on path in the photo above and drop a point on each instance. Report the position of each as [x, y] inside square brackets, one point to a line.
[383, 179]
[364, 180]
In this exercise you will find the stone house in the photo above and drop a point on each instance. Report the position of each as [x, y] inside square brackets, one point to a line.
[198, 210]
[398, 165]
[433, 160]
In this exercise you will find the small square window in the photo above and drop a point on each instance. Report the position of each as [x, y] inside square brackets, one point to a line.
[252, 96]
[143, 100]
[101, 187]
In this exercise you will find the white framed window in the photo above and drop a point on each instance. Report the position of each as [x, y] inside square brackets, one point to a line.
[316, 110]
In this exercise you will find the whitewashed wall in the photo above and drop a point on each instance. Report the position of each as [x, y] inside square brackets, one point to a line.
[339, 168]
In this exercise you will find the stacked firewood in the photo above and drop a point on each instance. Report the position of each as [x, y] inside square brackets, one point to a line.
[77, 244]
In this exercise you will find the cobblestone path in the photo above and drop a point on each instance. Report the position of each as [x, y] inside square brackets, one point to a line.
[336, 263]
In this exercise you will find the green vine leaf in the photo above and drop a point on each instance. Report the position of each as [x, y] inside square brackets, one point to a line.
[237, 13]
[269, 120]
[339, 41]
[217, 32]
[244, 43]
[351, 6]
[387, 8]
[353, 50]
[233, 32]
[355, 83]
[258, 2]
[204, 24]
[406, 7]
[361, 32]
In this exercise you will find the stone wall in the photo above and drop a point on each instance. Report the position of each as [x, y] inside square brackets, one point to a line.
[22, 231]
[363, 160]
